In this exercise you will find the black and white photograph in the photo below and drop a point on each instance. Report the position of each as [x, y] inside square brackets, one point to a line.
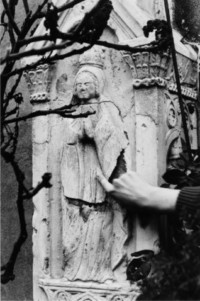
[100, 150]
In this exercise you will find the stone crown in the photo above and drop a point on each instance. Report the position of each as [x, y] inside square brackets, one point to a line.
[93, 58]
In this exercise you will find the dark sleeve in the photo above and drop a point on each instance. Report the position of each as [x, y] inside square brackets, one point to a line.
[188, 202]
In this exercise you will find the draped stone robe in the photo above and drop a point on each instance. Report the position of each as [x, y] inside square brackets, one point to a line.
[93, 246]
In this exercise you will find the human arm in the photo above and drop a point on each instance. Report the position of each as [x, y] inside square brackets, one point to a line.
[130, 189]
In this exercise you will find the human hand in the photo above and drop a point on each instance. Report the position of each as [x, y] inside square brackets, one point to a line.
[130, 189]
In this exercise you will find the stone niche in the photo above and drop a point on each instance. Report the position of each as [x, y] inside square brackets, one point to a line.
[83, 239]
[87, 237]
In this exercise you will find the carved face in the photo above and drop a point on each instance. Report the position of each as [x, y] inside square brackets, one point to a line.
[85, 86]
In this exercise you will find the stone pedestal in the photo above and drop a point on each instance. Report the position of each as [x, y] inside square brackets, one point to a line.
[59, 290]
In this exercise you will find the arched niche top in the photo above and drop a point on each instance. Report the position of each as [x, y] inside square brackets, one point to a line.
[171, 136]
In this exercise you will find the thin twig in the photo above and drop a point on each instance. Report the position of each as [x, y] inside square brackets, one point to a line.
[62, 113]
[11, 112]
[10, 94]
[34, 39]
[122, 47]
[26, 6]
[12, 91]
[12, 36]
[10, 17]
[8, 268]
[45, 183]
[4, 32]
[68, 5]
[44, 50]
[47, 61]
[38, 14]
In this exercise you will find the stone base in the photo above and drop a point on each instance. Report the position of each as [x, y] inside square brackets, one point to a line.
[62, 290]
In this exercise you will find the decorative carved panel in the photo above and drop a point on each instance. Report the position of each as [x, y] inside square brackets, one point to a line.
[39, 83]
[174, 131]
[148, 69]
[88, 293]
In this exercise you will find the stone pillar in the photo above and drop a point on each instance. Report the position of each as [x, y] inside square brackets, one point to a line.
[149, 71]
[39, 81]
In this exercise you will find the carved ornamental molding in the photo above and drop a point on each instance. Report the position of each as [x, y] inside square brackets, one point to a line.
[175, 139]
[39, 83]
[187, 92]
[148, 69]
[152, 69]
[95, 293]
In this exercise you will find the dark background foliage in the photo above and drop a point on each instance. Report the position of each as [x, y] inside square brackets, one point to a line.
[175, 271]
[176, 275]
[187, 18]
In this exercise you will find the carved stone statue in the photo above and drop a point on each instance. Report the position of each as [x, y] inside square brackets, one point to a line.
[93, 236]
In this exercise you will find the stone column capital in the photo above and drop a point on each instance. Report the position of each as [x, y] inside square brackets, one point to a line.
[148, 68]
[39, 83]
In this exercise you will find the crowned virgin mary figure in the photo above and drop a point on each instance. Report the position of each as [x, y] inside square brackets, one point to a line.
[94, 226]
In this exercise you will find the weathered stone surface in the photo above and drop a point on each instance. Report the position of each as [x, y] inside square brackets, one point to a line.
[83, 240]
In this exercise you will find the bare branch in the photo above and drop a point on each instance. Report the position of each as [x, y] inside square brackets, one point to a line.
[58, 57]
[147, 48]
[10, 17]
[38, 14]
[2, 17]
[59, 9]
[4, 24]
[17, 56]
[25, 68]
[29, 21]
[68, 5]
[12, 36]
[47, 61]
[64, 112]
[12, 91]
[43, 184]
[63, 36]
[26, 6]
[30, 40]
[10, 158]
[11, 112]
[4, 32]
[9, 267]
[10, 94]
[6, 144]
[78, 34]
